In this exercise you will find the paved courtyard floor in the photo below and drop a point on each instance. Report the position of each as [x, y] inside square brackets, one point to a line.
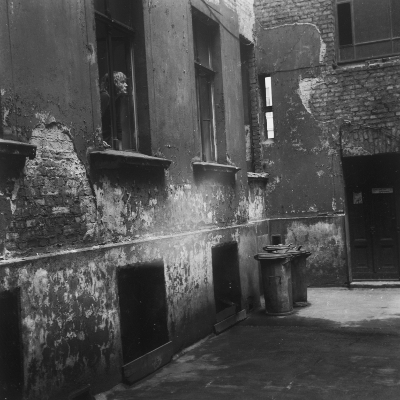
[345, 345]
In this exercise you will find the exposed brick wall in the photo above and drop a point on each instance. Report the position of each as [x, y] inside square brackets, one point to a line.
[52, 202]
[273, 13]
[366, 94]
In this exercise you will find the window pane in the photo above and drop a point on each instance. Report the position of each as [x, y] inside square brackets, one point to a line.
[396, 46]
[121, 11]
[100, 5]
[396, 17]
[102, 61]
[344, 24]
[202, 44]
[373, 49]
[116, 94]
[371, 20]
[204, 87]
[269, 117]
[268, 92]
[123, 85]
[346, 53]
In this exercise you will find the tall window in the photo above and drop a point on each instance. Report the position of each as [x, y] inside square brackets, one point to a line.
[266, 86]
[204, 60]
[367, 29]
[114, 35]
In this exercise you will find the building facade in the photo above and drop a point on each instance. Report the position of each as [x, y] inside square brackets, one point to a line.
[135, 146]
[332, 151]
[128, 223]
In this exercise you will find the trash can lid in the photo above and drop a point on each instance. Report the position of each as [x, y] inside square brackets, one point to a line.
[276, 247]
[269, 256]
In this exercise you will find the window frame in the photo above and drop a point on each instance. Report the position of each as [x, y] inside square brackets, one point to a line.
[209, 147]
[110, 24]
[264, 107]
[354, 45]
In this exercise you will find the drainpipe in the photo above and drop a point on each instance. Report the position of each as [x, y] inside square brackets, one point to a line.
[346, 214]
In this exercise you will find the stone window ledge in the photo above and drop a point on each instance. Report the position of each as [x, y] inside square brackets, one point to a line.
[17, 149]
[199, 166]
[257, 176]
[112, 159]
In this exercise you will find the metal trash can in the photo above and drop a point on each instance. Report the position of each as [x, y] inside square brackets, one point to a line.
[277, 282]
[299, 276]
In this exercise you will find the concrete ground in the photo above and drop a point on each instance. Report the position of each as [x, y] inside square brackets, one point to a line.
[345, 345]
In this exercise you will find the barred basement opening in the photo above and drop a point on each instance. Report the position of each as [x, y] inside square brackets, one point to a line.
[227, 290]
[143, 318]
[11, 355]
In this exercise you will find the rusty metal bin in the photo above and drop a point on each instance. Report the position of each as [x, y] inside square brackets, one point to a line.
[299, 276]
[277, 282]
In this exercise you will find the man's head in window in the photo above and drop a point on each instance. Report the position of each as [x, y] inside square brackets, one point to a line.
[119, 109]
[120, 82]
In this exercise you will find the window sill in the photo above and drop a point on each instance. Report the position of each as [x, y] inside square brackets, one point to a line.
[17, 149]
[257, 176]
[113, 159]
[199, 166]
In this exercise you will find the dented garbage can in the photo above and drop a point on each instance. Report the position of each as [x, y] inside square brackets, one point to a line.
[299, 276]
[277, 282]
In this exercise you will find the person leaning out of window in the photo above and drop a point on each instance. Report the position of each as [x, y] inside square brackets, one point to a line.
[121, 109]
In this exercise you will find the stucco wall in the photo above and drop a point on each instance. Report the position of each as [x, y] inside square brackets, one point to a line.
[70, 312]
[65, 227]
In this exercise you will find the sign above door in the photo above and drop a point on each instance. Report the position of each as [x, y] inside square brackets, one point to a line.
[382, 190]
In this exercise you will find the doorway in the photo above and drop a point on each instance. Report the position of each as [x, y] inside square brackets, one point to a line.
[226, 277]
[373, 209]
[143, 318]
[11, 354]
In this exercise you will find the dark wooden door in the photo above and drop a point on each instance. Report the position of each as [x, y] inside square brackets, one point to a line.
[384, 234]
[373, 233]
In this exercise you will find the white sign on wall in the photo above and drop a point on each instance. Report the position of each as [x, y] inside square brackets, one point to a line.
[382, 190]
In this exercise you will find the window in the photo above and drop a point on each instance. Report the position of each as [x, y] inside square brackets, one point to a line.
[367, 29]
[114, 36]
[246, 55]
[204, 35]
[266, 89]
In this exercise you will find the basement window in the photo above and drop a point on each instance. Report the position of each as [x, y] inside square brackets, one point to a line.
[266, 89]
[143, 319]
[226, 277]
[367, 29]
[11, 353]
[115, 57]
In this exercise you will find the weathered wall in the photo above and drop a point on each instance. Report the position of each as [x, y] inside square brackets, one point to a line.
[324, 237]
[55, 201]
[95, 221]
[317, 106]
[69, 304]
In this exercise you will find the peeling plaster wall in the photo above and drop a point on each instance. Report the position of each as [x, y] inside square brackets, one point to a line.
[52, 203]
[325, 240]
[317, 105]
[69, 303]
[65, 227]
[257, 200]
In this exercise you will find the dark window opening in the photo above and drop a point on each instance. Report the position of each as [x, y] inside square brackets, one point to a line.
[226, 276]
[344, 24]
[246, 53]
[11, 355]
[115, 57]
[276, 239]
[204, 37]
[367, 29]
[143, 310]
